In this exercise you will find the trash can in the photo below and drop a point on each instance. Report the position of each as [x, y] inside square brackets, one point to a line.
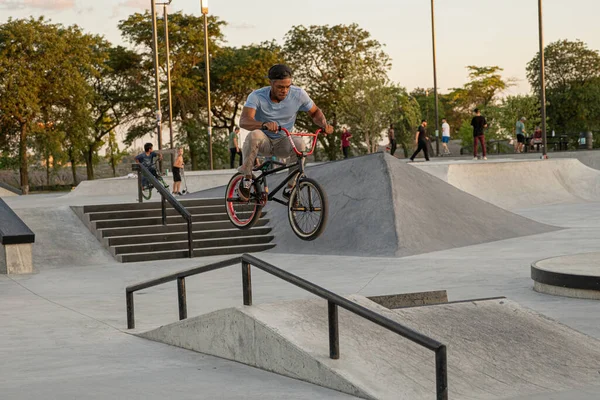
[589, 140]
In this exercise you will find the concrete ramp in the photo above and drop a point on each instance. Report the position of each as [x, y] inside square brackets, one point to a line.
[381, 206]
[521, 184]
[496, 349]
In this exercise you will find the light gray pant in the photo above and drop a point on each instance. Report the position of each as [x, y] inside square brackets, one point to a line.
[257, 143]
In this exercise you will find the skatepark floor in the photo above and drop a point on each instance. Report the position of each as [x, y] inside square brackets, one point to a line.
[63, 329]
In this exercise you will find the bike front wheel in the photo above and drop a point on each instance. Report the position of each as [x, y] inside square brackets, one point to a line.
[307, 209]
[242, 214]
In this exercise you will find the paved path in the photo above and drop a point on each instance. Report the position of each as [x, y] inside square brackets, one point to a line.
[63, 335]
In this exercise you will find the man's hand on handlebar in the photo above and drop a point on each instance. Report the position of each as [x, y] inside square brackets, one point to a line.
[271, 126]
[328, 129]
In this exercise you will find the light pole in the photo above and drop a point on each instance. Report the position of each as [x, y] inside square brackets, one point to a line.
[435, 93]
[166, 18]
[204, 7]
[542, 81]
[156, 75]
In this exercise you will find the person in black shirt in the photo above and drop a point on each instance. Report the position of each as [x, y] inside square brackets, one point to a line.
[421, 141]
[479, 124]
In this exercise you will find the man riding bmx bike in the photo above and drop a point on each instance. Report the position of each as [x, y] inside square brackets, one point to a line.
[266, 110]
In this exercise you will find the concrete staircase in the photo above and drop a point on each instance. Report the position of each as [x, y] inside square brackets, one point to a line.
[134, 232]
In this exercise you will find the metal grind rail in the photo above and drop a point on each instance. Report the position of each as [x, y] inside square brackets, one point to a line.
[333, 302]
[165, 196]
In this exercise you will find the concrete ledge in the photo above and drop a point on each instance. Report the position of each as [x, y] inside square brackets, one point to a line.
[393, 301]
[16, 259]
[570, 276]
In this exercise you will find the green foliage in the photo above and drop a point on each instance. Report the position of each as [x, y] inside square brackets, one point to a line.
[328, 61]
[43, 73]
[572, 72]
[503, 117]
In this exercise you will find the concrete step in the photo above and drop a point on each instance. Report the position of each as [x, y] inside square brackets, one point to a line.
[171, 228]
[211, 251]
[151, 205]
[120, 223]
[198, 244]
[177, 236]
[153, 212]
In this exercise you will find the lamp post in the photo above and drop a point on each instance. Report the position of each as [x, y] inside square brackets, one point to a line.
[542, 81]
[166, 20]
[204, 7]
[156, 76]
[435, 92]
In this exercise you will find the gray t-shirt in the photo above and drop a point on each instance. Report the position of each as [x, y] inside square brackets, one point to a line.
[147, 160]
[284, 112]
[520, 128]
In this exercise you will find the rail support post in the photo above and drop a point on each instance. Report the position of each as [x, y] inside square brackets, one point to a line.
[441, 373]
[163, 206]
[130, 311]
[246, 283]
[190, 237]
[334, 333]
[181, 297]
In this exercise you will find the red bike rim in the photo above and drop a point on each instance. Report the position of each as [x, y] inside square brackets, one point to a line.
[232, 212]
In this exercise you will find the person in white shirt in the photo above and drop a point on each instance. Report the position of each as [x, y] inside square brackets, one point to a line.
[445, 135]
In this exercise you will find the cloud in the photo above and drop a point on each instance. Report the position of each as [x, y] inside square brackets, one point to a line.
[140, 4]
[37, 4]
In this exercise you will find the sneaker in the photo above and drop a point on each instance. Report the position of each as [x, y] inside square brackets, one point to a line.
[475, 158]
[485, 158]
[180, 194]
[287, 193]
[244, 189]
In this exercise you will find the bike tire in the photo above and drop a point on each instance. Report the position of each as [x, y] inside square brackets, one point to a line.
[147, 192]
[242, 215]
[307, 198]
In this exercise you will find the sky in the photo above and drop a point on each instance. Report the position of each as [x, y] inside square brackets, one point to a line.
[469, 32]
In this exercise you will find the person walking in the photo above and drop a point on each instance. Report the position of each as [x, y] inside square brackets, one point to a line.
[479, 124]
[520, 131]
[346, 135]
[234, 146]
[421, 140]
[445, 136]
[392, 139]
[177, 167]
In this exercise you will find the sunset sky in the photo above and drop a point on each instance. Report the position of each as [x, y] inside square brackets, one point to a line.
[470, 32]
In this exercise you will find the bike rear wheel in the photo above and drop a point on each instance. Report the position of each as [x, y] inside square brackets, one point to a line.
[242, 214]
[307, 209]
[147, 191]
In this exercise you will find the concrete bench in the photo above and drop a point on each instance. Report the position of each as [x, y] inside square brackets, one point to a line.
[16, 241]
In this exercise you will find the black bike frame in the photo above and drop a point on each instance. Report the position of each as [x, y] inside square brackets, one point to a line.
[261, 179]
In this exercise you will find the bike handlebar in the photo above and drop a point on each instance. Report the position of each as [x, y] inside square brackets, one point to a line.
[314, 141]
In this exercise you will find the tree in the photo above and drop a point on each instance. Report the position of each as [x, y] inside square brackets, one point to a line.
[407, 117]
[113, 154]
[186, 39]
[375, 100]
[40, 63]
[120, 95]
[504, 116]
[235, 73]
[328, 59]
[572, 85]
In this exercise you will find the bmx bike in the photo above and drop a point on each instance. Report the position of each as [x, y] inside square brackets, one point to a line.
[307, 203]
[147, 186]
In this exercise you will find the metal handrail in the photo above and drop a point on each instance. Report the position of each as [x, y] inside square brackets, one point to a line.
[333, 302]
[165, 196]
